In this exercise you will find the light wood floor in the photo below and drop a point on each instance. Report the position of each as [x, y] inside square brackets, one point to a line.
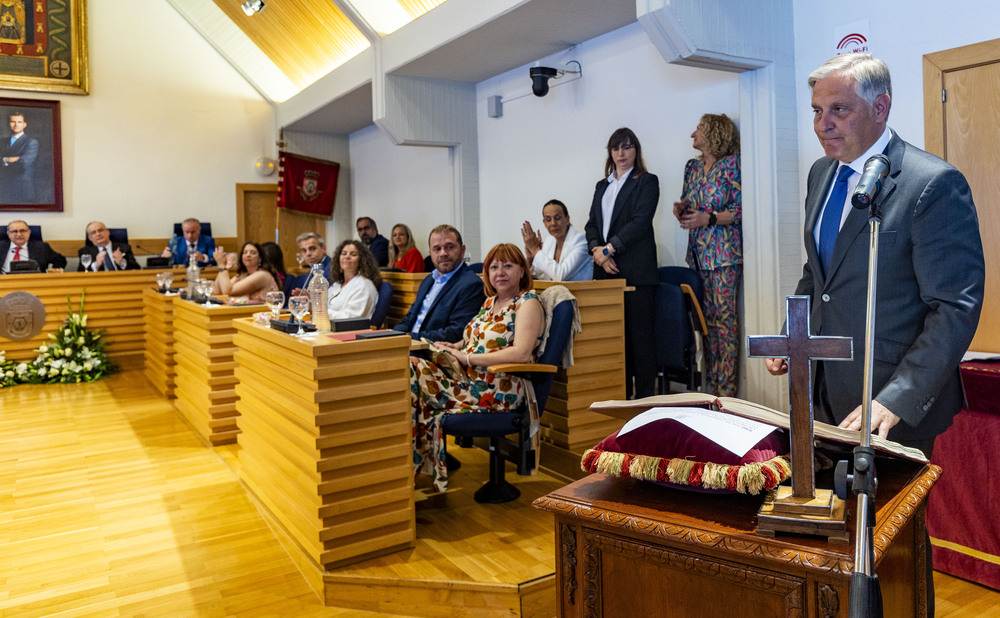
[110, 506]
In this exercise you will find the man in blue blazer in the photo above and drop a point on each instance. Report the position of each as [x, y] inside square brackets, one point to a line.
[192, 239]
[313, 250]
[931, 272]
[17, 163]
[450, 296]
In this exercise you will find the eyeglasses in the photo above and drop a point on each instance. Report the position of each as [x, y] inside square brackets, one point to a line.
[21, 231]
[623, 147]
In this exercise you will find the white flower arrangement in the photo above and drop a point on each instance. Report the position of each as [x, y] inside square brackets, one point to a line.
[74, 355]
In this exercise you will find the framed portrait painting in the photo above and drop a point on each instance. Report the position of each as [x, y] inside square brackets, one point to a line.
[43, 46]
[30, 156]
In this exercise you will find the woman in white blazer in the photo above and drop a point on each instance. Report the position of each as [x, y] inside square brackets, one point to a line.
[563, 255]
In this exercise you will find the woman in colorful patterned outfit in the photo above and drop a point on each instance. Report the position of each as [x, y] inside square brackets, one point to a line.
[506, 330]
[711, 207]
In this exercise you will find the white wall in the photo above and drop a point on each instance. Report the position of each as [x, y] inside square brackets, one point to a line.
[401, 184]
[167, 130]
[555, 146]
[901, 33]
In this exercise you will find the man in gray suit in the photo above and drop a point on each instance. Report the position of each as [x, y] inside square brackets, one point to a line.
[931, 269]
[17, 163]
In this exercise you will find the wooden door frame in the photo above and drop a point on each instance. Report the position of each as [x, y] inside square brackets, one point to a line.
[241, 190]
[935, 66]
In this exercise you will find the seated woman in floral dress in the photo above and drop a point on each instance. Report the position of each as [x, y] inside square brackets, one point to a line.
[506, 330]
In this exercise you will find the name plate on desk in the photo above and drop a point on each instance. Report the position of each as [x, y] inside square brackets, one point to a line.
[346, 324]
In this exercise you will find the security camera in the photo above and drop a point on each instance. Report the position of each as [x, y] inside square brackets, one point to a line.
[540, 76]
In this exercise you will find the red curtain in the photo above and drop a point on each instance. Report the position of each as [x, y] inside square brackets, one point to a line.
[306, 184]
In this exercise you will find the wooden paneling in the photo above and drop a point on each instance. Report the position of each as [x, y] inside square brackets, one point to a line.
[258, 215]
[114, 303]
[325, 442]
[158, 311]
[205, 385]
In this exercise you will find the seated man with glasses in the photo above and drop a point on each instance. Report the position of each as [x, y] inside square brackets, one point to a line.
[105, 254]
[19, 247]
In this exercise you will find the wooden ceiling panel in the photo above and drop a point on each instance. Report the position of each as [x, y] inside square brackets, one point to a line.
[306, 39]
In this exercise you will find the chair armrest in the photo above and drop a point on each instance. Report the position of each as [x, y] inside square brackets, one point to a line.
[522, 368]
[697, 307]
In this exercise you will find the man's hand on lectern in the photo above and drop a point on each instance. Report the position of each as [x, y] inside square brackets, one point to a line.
[776, 366]
[882, 420]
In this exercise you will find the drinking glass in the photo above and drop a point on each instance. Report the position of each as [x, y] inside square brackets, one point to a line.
[86, 260]
[206, 289]
[168, 280]
[159, 281]
[275, 300]
[300, 258]
[299, 306]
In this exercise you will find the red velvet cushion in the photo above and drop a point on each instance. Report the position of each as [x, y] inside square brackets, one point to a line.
[668, 452]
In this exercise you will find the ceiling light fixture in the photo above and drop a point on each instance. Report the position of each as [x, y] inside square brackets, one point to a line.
[253, 6]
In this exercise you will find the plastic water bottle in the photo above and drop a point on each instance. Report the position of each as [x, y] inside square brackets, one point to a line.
[319, 292]
[193, 274]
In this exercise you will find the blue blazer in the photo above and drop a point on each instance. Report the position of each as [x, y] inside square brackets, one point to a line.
[299, 281]
[178, 246]
[930, 291]
[456, 305]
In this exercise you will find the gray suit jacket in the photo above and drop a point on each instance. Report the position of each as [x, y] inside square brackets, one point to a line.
[931, 276]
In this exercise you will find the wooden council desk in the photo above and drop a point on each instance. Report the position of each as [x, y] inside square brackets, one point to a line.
[204, 354]
[568, 426]
[325, 443]
[114, 303]
[158, 312]
[629, 548]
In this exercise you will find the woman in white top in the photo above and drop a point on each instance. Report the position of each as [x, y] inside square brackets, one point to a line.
[354, 282]
[563, 255]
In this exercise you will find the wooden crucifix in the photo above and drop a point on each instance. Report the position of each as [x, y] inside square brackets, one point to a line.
[799, 348]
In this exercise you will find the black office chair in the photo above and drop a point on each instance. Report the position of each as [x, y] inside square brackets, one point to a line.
[206, 229]
[477, 267]
[428, 264]
[496, 426]
[36, 232]
[679, 327]
[118, 235]
[382, 304]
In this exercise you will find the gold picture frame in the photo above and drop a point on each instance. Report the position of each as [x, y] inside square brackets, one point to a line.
[43, 46]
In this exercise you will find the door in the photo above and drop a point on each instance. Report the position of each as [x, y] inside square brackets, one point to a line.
[962, 125]
[257, 217]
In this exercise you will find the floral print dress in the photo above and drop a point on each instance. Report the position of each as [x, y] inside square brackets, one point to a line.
[433, 391]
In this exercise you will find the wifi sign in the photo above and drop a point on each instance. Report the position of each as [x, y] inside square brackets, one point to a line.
[853, 42]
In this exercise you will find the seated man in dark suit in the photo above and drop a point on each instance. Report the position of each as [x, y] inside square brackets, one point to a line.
[313, 250]
[19, 247]
[104, 254]
[450, 296]
[191, 243]
[376, 243]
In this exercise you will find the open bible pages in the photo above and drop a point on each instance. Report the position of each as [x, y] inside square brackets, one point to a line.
[757, 412]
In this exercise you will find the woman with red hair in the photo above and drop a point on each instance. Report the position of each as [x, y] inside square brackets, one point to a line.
[506, 330]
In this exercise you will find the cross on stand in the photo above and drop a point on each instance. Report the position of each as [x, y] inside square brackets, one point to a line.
[799, 348]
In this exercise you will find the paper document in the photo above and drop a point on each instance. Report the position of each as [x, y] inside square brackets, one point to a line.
[733, 433]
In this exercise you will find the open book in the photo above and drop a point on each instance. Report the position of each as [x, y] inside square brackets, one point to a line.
[757, 412]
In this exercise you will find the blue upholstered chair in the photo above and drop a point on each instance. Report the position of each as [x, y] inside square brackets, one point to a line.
[494, 427]
[206, 229]
[382, 304]
[679, 327]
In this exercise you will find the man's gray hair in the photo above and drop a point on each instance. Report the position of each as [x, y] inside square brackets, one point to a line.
[307, 236]
[871, 75]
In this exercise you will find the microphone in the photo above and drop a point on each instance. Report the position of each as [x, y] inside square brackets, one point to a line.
[876, 169]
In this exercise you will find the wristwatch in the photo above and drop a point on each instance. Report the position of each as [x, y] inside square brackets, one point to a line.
[712, 218]
[609, 249]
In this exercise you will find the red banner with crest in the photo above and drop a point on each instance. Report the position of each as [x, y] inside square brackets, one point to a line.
[307, 185]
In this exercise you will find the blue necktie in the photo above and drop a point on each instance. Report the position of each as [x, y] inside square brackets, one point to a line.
[830, 226]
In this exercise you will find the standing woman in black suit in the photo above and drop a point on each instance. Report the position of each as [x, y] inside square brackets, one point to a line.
[622, 245]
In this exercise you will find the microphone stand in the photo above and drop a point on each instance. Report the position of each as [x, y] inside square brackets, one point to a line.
[865, 592]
